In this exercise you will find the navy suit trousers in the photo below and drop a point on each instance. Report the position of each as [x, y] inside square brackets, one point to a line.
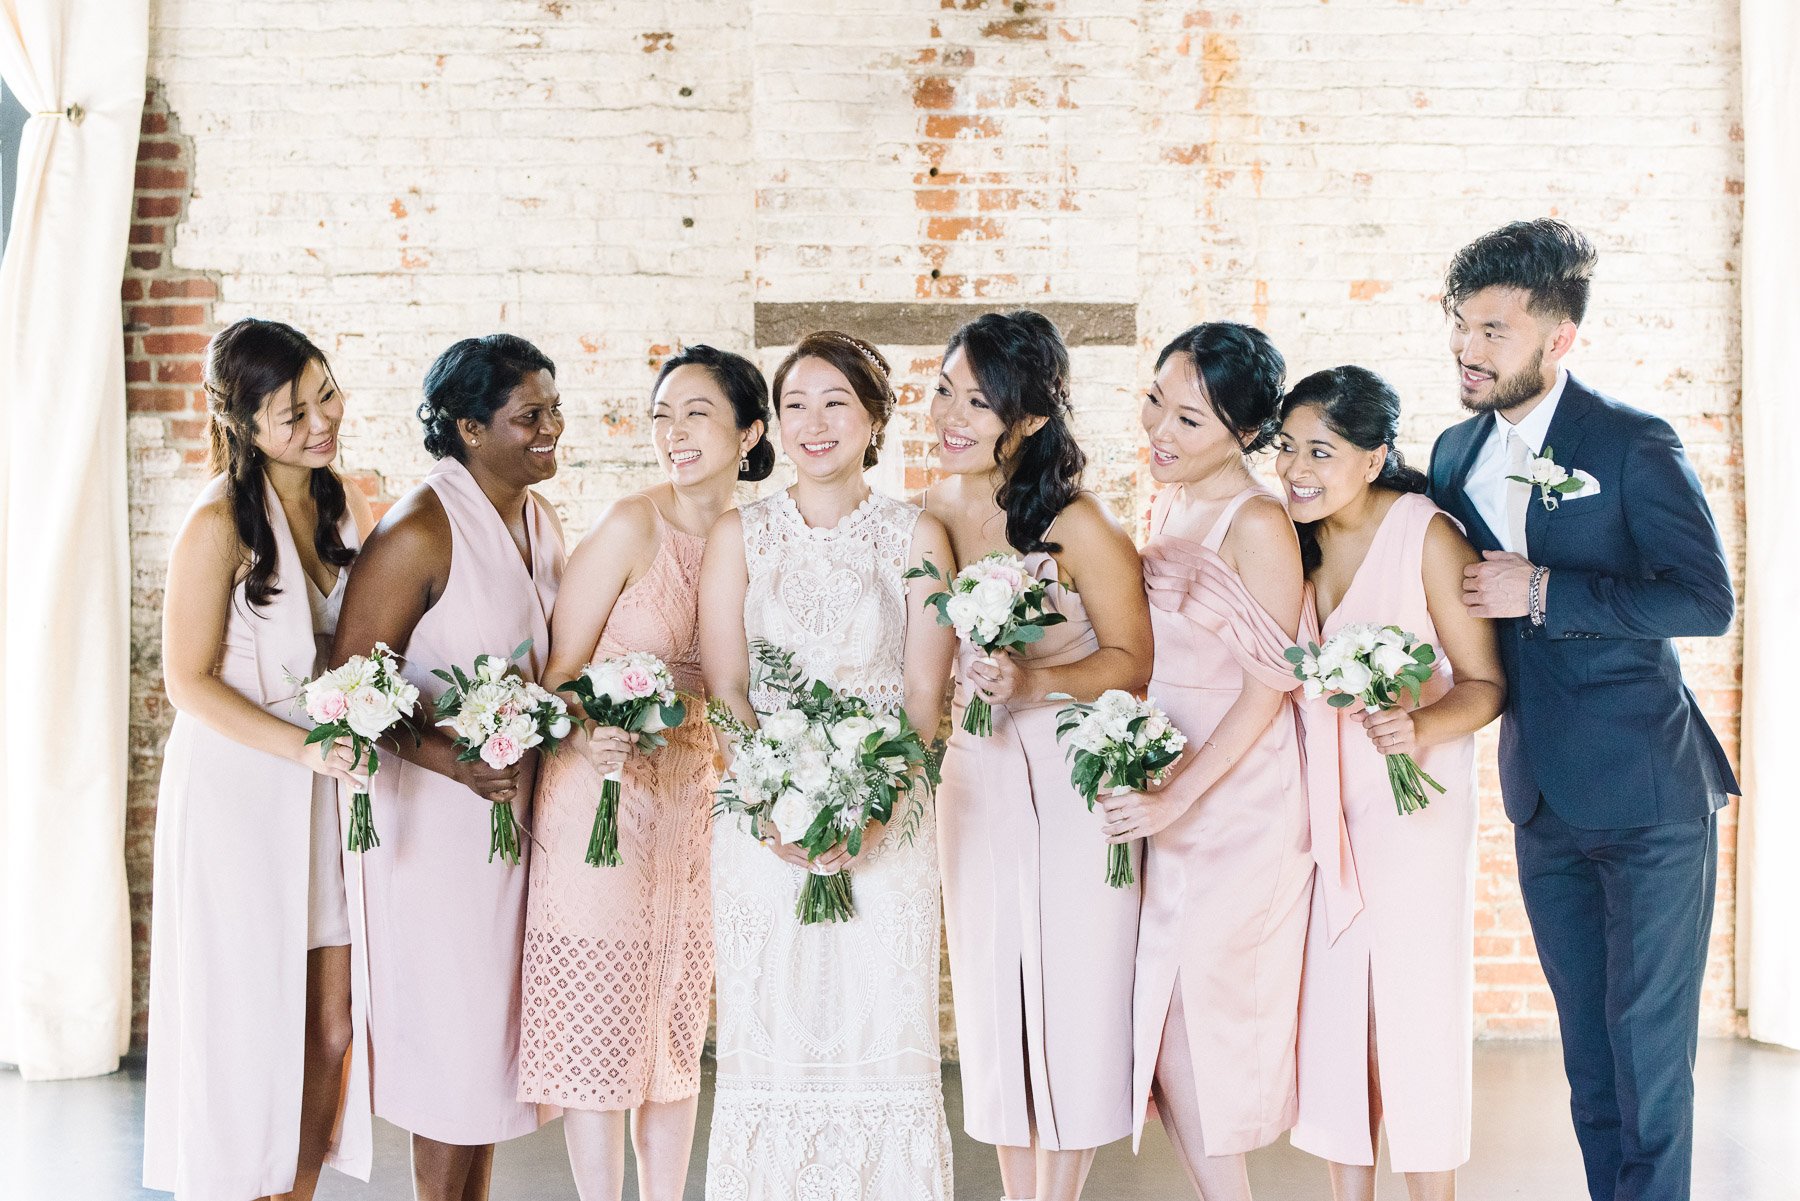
[1631, 1015]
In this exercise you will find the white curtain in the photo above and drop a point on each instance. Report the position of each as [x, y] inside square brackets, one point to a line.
[1768, 939]
[65, 569]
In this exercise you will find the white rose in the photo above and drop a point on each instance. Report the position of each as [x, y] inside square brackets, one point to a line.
[793, 814]
[559, 728]
[812, 771]
[605, 679]
[1546, 472]
[784, 725]
[849, 733]
[963, 613]
[1390, 661]
[370, 711]
[993, 599]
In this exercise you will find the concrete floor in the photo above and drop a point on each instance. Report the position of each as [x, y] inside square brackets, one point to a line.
[81, 1141]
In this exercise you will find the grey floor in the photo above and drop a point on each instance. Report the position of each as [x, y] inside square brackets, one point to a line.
[81, 1140]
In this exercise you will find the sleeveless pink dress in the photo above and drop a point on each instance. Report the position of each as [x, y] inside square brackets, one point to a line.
[619, 960]
[1408, 952]
[248, 878]
[1227, 885]
[1041, 949]
[436, 927]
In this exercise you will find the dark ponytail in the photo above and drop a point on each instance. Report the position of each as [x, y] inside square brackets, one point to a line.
[246, 362]
[1022, 365]
[1363, 409]
[1241, 374]
[746, 389]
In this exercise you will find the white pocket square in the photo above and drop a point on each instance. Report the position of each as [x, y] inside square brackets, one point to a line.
[1589, 486]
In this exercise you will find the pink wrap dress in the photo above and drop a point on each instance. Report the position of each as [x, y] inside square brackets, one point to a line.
[248, 878]
[1227, 885]
[1042, 950]
[1392, 930]
[439, 929]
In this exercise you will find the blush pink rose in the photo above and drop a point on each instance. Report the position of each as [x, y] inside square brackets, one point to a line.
[328, 706]
[501, 750]
[637, 682]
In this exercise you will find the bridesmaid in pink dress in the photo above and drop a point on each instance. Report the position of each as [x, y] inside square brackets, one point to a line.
[465, 564]
[1386, 1001]
[619, 960]
[1041, 949]
[250, 997]
[1227, 870]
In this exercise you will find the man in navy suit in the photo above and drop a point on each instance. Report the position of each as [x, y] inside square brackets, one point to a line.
[1598, 548]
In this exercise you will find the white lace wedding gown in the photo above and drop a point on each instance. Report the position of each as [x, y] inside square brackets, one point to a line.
[828, 1085]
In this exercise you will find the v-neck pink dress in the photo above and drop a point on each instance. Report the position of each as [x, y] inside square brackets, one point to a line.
[1407, 953]
[1227, 886]
[438, 928]
[619, 960]
[1042, 951]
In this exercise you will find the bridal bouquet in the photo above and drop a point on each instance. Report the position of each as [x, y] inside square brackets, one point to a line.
[1372, 664]
[635, 693]
[1120, 743]
[995, 603]
[820, 766]
[360, 701]
[496, 717]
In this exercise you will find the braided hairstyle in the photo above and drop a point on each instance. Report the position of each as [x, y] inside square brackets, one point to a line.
[247, 362]
[1241, 374]
[1022, 365]
[1363, 409]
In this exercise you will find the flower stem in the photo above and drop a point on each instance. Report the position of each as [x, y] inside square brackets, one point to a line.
[825, 899]
[603, 842]
[362, 825]
[978, 717]
[1118, 866]
[503, 840]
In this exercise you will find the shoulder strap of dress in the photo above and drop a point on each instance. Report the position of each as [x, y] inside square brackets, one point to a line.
[1215, 537]
[1411, 530]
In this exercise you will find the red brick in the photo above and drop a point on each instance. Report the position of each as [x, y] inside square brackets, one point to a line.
[162, 179]
[196, 287]
[137, 371]
[146, 260]
[131, 289]
[156, 400]
[159, 206]
[173, 344]
[146, 235]
[179, 371]
[157, 149]
[169, 315]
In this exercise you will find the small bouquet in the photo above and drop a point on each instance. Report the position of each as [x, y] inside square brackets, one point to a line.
[820, 767]
[1372, 664]
[1120, 743]
[496, 717]
[995, 603]
[360, 701]
[1551, 479]
[635, 693]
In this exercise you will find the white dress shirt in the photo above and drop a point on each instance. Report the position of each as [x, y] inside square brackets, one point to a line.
[1487, 486]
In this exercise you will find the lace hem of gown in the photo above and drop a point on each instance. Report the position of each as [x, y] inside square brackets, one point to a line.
[855, 1140]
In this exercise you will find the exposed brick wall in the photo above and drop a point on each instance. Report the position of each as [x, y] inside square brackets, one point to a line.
[611, 182]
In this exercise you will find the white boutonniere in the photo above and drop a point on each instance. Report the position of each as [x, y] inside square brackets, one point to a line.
[1555, 482]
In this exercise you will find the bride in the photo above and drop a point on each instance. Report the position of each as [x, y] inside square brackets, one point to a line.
[828, 1085]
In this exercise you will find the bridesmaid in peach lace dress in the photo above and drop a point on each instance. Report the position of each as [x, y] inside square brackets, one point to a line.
[618, 960]
[1226, 867]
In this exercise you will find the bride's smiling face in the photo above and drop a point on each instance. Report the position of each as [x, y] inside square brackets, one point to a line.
[824, 426]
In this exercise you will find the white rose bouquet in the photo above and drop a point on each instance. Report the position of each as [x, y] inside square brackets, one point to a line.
[1375, 665]
[1122, 743]
[995, 603]
[497, 716]
[360, 701]
[820, 768]
[635, 693]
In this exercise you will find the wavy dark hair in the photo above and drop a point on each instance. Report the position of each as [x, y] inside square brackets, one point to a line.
[472, 380]
[1363, 409]
[746, 389]
[246, 363]
[859, 362]
[1552, 262]
[1022, 364]
[1241, 374]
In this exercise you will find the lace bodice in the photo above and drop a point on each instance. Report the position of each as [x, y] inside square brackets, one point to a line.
[834, 597]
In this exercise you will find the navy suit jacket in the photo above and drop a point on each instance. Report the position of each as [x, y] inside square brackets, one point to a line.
[1599, 722]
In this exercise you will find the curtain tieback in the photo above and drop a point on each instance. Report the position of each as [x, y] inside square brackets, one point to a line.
[74, 113]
